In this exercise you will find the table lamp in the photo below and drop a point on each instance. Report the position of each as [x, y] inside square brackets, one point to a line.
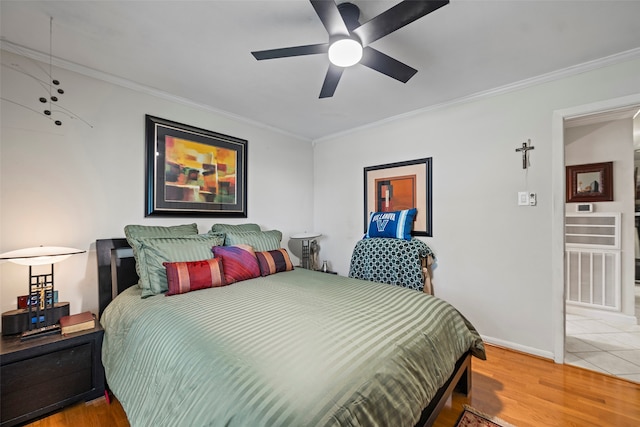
[40, 300]
[309, 249]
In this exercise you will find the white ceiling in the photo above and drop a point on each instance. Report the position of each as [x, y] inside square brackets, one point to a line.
[200, 51]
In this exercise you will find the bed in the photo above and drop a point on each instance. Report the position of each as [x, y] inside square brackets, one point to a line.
[289, 349]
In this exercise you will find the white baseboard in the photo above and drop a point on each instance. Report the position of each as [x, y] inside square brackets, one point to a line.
[518, 347]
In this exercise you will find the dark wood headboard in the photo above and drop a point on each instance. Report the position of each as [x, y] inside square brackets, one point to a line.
[116, 269]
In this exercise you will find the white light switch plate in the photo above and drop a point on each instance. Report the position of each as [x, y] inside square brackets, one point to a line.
[523, 198]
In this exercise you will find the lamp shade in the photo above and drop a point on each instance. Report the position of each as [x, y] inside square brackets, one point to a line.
[39, 255]
[306, 235]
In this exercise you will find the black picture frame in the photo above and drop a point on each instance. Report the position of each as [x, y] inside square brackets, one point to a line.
[414, 179]
[194, 172]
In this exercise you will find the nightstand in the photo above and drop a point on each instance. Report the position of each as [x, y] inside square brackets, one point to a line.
[41, 375]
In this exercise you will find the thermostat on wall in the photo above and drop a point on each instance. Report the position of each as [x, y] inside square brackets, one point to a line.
[584, 207]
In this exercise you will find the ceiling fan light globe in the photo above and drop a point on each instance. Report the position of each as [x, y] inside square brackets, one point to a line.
[345, 52]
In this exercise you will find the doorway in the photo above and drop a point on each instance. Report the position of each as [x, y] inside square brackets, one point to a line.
[597, 339]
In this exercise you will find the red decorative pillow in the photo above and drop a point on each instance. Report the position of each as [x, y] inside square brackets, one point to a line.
[239, 262]
[183, 277]
[274, 261]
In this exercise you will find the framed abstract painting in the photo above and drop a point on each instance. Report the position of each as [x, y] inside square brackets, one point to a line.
[194, 172]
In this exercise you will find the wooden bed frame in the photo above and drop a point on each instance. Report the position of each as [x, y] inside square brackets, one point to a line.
[117, 272]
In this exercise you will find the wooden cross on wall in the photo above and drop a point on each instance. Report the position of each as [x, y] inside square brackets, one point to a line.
[526, 146]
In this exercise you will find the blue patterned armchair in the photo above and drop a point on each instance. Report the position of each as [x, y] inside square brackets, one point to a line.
[398, 262]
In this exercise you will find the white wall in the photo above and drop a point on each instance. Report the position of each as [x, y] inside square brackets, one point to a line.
[606, 142]
[71, 185]
[74, 184]
[494, 257]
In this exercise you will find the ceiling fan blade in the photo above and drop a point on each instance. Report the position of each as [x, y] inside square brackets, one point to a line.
[385, 64]
[331, 81]
[285, 52]
[328, 12]
[395, 18]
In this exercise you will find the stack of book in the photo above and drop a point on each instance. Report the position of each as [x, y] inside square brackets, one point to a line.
[77, 322]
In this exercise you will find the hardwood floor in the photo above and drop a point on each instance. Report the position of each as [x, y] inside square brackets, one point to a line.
[521, 389]
[530, 391]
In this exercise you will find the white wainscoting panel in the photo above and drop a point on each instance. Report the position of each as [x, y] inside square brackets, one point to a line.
[592, 255]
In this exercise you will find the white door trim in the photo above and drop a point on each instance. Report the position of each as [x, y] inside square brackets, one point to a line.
[558, 207]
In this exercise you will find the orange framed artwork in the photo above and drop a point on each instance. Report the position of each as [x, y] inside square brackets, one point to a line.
[399, 186]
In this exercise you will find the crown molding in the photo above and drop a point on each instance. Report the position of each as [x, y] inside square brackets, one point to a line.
[617, 58]
[17, 49]
[606, 61]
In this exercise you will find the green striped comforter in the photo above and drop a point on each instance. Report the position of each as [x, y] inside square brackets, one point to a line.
[298, 348]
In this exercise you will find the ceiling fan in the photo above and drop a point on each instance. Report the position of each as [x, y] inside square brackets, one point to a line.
[349, 40]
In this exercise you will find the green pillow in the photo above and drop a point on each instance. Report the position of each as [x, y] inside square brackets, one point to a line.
[153, 251]
[135, 232]
[258, 240]
[229, 228]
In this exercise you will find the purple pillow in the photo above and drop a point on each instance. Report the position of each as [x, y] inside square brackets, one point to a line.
[239, 262]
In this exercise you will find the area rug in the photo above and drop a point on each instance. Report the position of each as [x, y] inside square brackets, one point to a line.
[471, 417]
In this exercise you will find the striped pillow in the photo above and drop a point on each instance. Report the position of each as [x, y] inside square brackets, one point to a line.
[183, 277]
[156, 250]
[135, 232]
[274, 261]
[234, 228]
[239, 262]
[259, 240]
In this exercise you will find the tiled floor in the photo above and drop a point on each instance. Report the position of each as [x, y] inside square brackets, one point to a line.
[604, 346]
